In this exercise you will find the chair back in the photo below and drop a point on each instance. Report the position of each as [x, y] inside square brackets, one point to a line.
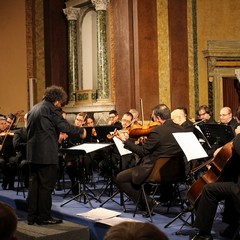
[167, 170]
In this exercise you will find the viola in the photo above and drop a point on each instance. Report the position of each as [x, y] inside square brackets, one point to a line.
[218, 171]
[137, 131]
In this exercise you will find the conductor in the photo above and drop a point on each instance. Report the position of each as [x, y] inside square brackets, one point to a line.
[44, 123]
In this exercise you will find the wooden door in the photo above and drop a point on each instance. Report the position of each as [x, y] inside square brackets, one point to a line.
[231, 93]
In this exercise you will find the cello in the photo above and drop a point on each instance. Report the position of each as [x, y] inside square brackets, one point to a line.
[218, 172]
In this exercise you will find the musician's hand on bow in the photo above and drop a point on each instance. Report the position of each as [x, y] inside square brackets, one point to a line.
[237, 130]
[123, 136]
[62, 136]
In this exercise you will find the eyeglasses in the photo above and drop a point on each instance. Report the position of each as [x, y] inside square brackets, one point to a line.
[80, 120]
[202, 114]
[224, 115]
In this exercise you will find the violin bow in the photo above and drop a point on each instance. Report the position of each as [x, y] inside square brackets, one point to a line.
[142, 114]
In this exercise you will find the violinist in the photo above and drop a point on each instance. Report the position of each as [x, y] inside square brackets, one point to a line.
[215, 192]
[20, 144]
[7, 155]
[160, 143]
[11, 120]
[92, 159]
[107, 164]
[73, 161]
[114, 119]
[90, 122]
[135, 114]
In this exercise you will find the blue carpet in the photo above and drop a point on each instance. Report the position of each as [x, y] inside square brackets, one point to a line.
[176, 230]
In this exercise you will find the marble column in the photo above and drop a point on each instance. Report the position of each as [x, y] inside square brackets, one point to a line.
[72, 16]
[103, 91]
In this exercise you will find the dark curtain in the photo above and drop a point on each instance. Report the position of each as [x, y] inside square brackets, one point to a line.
[231, 93]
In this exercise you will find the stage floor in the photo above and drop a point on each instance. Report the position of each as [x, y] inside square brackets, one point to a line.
[68, 211]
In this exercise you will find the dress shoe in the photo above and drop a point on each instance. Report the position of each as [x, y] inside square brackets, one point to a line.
[202, 237]
[49, 221]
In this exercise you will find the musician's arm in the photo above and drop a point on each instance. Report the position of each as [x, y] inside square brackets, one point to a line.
[236, 143]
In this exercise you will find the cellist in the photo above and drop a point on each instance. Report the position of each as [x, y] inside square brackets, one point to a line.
[214, 192]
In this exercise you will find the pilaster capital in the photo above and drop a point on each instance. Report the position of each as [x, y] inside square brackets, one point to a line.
[71, 13]
[100, 4]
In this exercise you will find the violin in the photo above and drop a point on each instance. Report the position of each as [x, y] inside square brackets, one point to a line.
[110, 136]
[4, 134]
[137, 131]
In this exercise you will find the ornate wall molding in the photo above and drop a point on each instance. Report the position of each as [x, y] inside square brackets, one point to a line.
[223, 57]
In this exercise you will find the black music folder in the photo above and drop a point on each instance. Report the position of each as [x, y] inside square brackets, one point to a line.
[103, 131]
[217, 133]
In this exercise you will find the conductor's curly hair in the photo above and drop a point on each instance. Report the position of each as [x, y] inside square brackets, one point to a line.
[55, 93]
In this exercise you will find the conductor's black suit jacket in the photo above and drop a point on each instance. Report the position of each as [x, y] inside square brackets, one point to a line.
[44, 123]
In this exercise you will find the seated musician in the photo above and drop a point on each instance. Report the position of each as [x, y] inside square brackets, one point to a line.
[92, 159]
[73, 162]
[107, 164]
[7, 154]
[135, 114]
[226, 118]
[179, 116]
[114, 119]
[214, 192]
[20, 145]
[160, 143]
[205, 115]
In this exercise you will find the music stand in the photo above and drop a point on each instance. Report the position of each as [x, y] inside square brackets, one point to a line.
[103, 131]
[217, 133]
[84, 149]
[88, 138]
[122, 151]
[196, 151]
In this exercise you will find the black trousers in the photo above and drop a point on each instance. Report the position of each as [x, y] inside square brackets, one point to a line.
[207, 207]
[42, 180]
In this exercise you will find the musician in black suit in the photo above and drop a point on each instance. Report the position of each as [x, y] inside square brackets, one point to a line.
[44, 124]
[160, 143]
[205, 115]
[214, 192]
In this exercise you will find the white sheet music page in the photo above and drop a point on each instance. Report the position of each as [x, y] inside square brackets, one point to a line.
[119, 144]
[90, 147]
[190, 145]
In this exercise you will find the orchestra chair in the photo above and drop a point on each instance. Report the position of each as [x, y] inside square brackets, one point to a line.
[166, 170]
[21, 177]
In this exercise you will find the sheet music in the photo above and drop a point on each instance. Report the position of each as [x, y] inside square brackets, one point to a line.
[99, 214]
[90, 147]
[190, 145]
[120, 146]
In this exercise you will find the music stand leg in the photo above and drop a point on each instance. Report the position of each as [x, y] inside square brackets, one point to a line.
[179, 216]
